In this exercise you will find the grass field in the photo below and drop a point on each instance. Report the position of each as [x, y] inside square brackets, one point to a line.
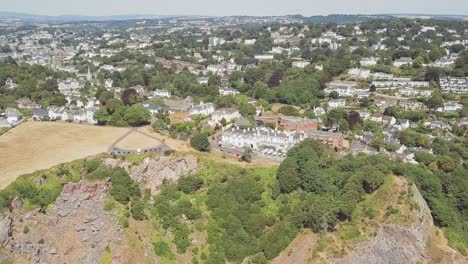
[137, 140]
[39, 145]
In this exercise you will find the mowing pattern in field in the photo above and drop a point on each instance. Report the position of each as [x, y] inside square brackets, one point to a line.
[137, 140]
[40, 145]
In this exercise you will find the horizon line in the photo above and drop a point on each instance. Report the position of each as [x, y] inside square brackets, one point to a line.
[233, 15]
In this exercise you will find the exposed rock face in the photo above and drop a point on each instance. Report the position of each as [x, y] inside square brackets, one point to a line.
[6, 223]
[395, 243]
[76, 229]
[153, 171]
[117, 163]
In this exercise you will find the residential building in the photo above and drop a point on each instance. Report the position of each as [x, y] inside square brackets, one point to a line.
[403, 61]
[450, 107]
[202, 109]
[376, 117]
[215, 41]
[203, 80]
[368, 62]
[410, 92]
[225, 91]
[359, 73]
[69, 85]
[454, 84]
[162, 93]
[228, 114]
[262, 57]
[334, 103]
[13, 116]
[344, 89]
[300, 64]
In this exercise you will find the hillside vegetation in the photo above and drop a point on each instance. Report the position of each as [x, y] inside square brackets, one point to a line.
[228, 213]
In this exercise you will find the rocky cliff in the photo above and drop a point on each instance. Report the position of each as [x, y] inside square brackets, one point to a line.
[153, 171]
[75, 229]
[400, 243]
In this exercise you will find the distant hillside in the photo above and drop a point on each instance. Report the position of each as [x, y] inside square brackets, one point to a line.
[332, 18]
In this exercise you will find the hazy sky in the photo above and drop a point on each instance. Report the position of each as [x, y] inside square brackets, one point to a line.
[233, 7]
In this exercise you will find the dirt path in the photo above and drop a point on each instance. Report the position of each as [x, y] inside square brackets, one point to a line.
[109, 149]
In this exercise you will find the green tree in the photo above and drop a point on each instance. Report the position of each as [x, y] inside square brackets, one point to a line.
[200, 142]
[136, 115]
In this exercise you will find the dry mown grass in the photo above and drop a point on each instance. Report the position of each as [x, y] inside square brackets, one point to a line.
[136, 141]
[39, 145]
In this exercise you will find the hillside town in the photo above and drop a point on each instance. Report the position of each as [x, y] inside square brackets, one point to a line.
[234, 132]
[395, 86]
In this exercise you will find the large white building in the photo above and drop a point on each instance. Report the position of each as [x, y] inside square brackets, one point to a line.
[260, 138]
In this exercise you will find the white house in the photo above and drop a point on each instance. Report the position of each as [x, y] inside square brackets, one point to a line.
[343, 89]
[403, 61]
[69, 85]
[225, 91]
[368, 62]
[300, 64]
[215, 41]
[13, 116]
[454, 84]
[402, 124]
[376, 117]
[319, 111]
[202, 109]
[108, 83]
[359, 73]
[262, 57]
[162, 93]
[410, 92]
[202, 80]
[334, 103]
[90, 115]
[227, 114]
[250, 42]
[10, 84]
[450, 107]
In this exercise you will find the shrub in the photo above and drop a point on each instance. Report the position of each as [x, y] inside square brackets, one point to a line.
[200, 142]
[162, 249]
[138, 209]
[189, 184]
[123, 187]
